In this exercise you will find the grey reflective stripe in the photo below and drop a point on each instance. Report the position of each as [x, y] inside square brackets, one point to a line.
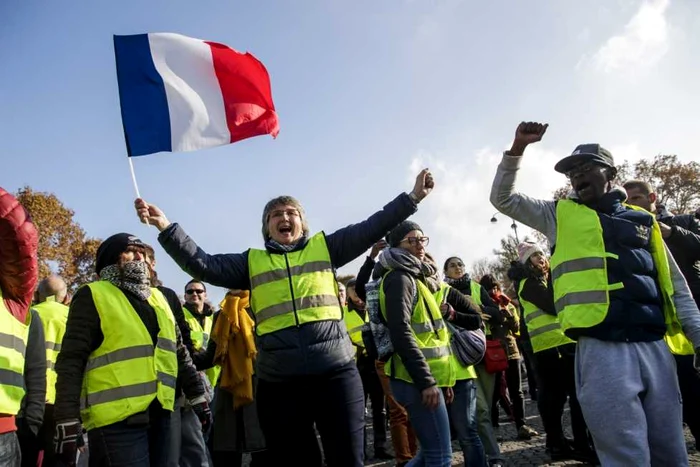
[167, 344]
[577, 265]
[53, 346]
[436, 352]
[120, 355]
[11, 378]
[122, 392]
[534, 315]
[12, 342]
[420, 328]
[581, 298]
[543, 329]
[301, 303]
[306, 268]
[167, 379]
[50, 365]
[357, 329]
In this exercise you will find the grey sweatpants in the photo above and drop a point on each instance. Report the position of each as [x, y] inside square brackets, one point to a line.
[630, 399]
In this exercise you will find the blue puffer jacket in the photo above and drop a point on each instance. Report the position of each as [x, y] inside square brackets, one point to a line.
[635, 313]
[313, 348]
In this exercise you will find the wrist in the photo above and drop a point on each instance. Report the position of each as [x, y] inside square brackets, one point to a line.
[414, 197]
[162, 225]
[517, 149]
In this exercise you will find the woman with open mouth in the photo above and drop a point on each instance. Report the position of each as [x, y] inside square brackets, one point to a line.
[307, 374]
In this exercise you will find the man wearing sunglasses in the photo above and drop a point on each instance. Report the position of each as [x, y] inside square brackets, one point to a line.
[620, 295]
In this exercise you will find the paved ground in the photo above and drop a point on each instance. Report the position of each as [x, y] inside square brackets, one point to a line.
[527, 453]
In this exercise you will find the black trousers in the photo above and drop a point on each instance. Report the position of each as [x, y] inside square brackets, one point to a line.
[689, 381]
[32, 445]
[373, 391]
[555, 368]
[333, 402]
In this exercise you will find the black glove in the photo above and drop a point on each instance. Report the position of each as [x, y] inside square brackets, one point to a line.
[67, 439]
[204, 415]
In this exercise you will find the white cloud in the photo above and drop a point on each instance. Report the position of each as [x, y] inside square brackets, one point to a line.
[642, 44]
[456, 216]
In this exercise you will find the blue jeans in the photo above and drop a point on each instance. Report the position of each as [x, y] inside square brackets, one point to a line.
[9, 450]
[432, 427]
[131, 444]
[462, 413]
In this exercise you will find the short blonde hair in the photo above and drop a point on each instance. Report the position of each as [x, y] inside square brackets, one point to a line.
[281, 201]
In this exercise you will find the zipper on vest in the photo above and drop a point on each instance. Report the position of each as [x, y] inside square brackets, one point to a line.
[291, 289]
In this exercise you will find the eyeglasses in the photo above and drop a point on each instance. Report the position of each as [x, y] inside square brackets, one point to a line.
[195, 291]
[583, 169]
[281, 212]
[416, 240]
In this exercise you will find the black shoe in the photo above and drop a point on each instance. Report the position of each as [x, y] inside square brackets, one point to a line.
[560, 453]
[585, 455]
[381, 453]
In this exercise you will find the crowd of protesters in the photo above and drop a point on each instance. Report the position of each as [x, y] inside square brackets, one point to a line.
[293, 362]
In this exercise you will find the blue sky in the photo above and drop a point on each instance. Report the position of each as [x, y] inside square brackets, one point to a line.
[367, 92]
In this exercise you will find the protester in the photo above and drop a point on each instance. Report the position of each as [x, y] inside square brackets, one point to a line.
[457, 277]
[682, 237]
[356, 319]
[505, 331]
[403, 438]
[52, 295]
[554, 353]
[619, 294]
[187, 445]
[18, 277]
[232, 348]
[124, 350]
[305, 362]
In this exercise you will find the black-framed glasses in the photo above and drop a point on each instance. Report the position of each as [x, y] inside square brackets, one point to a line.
[195, 291]
[583, 169]
[416, 240]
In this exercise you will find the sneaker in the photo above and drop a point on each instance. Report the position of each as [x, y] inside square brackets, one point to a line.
[525, 432]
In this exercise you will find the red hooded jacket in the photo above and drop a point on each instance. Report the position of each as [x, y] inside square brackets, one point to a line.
[19, 268]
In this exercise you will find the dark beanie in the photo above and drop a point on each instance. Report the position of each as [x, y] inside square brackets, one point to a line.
[109, 251]
[399, 232]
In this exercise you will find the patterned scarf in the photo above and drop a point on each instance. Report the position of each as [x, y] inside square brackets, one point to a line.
[273, 245]
[463, 284]
[426, 270]
[131, 276]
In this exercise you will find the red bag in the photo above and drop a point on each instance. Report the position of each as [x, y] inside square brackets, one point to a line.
[495, 358]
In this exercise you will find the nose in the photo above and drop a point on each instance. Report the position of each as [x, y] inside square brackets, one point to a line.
[138, 256]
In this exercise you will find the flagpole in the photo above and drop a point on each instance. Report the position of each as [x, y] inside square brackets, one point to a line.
[133, 179]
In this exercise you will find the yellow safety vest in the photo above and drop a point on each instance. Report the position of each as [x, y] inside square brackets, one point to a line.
[53, 316]
[461, 371]
[126, 372]
[13, 346]
[295, 288]
[431, 335]
[200, 338]
[544, 329]
[355, 324]
[580, 279]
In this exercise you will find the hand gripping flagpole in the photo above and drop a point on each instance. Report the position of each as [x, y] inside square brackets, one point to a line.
[133, 179]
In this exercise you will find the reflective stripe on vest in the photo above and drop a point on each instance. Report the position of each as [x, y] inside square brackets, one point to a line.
[544, 329]
[53, 316]
[434, 342]
[580, 279]
[295, 288]
[13, 346]
[355, 325]
[461, 372]
[200, 339]
[127, 372]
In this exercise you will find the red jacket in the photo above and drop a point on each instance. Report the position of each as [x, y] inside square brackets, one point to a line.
[19, 268]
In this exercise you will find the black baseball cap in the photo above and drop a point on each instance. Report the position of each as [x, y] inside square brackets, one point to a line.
[585, 153]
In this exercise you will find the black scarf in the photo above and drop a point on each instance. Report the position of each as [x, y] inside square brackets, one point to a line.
[132, 276]
[463, 284]
[426, 271]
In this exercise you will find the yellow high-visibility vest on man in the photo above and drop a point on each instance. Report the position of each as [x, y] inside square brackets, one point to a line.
[13, 345]
[292, 289]
[53, 316]
[200, 335]
[126, 373]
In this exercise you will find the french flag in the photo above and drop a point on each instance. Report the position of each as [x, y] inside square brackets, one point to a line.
[182, 94]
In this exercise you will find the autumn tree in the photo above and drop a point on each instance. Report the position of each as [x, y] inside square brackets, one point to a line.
[483, 266]
[63, 246]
